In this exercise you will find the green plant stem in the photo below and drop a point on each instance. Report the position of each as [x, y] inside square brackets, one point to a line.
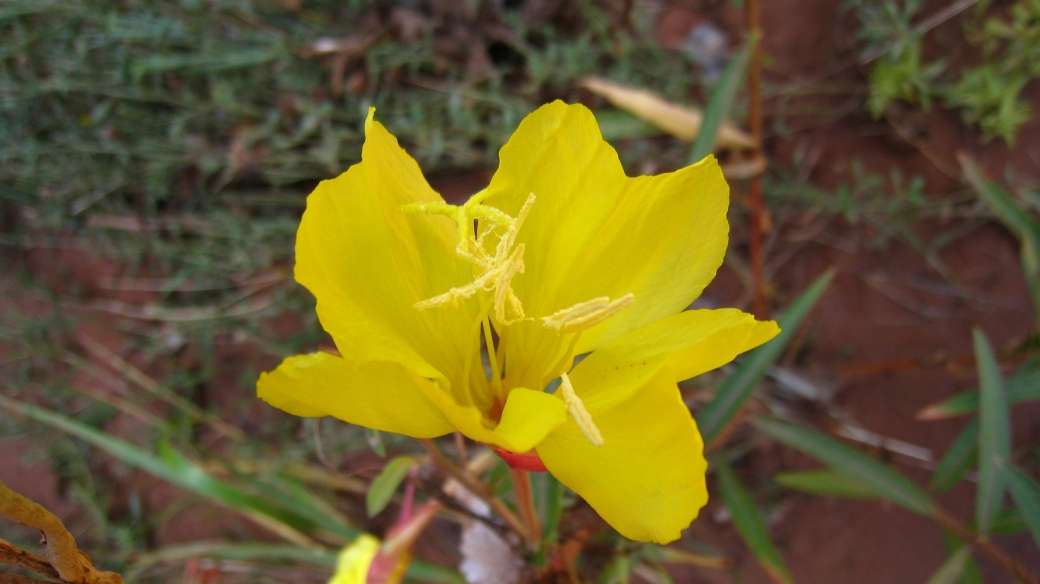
[475, 487]
[1010, 564]
[525, 503]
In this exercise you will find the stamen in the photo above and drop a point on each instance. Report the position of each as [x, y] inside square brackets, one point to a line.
[577, 410]
[585, 315]
[498, 271]
[503, 287]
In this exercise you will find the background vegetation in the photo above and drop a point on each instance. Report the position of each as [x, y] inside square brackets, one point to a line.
[154, 162]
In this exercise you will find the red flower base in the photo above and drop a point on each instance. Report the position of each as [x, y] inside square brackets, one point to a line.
[528, 461]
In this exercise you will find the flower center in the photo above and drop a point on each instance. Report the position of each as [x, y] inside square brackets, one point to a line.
[496, 270]
[495, 273]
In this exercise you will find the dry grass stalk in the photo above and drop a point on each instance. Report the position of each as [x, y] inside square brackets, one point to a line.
[681, 122]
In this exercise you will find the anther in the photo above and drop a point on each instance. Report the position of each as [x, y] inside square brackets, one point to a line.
[585, 315]
[497, 271]
[576, 408]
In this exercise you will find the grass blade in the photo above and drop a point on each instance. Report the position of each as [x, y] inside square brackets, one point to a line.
[1022, 386]
[385, 484]
[1015, 217]
[175, 468]
[825, 482]
[748, 522]
[1008, 521]
[1026, 494]
[952, 569]
[1030, 258]
[739, 386]
[721, 99]
[1010, 213]
[959, 458]
[994, 435]
[970, 572]
[887, 483]
[294, 497]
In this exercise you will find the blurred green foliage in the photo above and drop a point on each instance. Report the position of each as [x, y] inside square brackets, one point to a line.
[988, 93]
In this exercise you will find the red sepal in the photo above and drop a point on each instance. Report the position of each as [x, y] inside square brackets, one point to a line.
[528, 461]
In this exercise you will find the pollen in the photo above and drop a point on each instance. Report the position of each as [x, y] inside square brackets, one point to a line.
[576, 408]
[496, 271]
[585, 315]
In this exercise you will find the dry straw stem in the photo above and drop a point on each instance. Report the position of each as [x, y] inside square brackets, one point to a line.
[683, 123]
[70, 564]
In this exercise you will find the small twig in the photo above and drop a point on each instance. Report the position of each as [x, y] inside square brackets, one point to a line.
[11, 554]
[475, 487]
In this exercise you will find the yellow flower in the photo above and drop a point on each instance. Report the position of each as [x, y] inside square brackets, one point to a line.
[354, 560]
[562, 255]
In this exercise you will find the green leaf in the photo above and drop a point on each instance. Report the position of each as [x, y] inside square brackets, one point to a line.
[994, 435]
[722, 97]
[960, 457]
[826, 482]
[1022, 386]
[970, 572]
[385, 484]
[293, 496]
[175, 468]
[952, 569]
[749, 524]
[1008, 521]
[739, 386]
[427, 572]
[1026, 494]
[887, 483]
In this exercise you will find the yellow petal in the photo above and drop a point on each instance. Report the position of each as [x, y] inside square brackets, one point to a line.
[527, 417]
[367, 262]
[595, 232]
[689, 343]
[380, 395]
[355, 559]
[647, 479]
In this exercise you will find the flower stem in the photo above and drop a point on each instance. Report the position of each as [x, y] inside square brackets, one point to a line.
[525, 503]
[475, 487]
